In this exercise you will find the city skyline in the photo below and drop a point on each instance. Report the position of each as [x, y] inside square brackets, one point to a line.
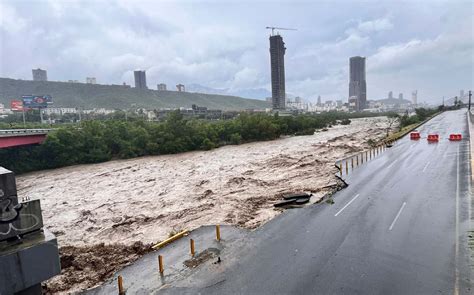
[234, 54]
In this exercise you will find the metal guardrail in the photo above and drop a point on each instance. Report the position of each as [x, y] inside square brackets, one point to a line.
[4, 132]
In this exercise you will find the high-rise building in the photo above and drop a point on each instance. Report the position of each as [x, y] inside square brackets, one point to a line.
[400, 96]
[140, 79]
[40, 75]
[91, 80]
[161, 87]
[180, 88]
[319, 101]
[277, 63]
[414, 97]
[357, 83]
[390, 95]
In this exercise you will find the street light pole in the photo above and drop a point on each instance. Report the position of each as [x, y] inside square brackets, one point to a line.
[470, 94]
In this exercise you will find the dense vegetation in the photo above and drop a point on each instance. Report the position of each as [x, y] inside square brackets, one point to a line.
[421, 114]
[97, 141]
[88, 96]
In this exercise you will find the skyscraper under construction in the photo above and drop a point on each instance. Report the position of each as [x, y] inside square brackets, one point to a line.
[277, 53]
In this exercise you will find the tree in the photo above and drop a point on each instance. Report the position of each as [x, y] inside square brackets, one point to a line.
[392, 119]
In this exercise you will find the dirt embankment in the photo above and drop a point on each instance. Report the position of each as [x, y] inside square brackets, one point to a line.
[83, 267]
[144, 199]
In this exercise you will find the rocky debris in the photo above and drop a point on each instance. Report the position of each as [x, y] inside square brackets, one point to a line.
[85, 267]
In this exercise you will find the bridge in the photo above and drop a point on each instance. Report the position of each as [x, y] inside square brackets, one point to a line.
[22, 137]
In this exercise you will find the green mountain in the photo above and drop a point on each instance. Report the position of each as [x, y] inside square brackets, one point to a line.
[90, 96]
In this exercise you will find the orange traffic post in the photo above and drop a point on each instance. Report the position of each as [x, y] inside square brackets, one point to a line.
[160, 264]
[191, 244]
[347, 168]
[120, 285]
[352, 163]
[362, 158]
[357, 160]
[340, 169]
[218, 231]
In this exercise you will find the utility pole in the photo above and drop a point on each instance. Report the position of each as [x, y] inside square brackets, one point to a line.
[470, 94]
[24, 120]
[41, 115]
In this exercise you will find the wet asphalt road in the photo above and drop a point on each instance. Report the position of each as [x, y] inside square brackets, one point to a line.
[399, 228]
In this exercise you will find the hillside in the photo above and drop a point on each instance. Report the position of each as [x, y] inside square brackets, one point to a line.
[119, 97]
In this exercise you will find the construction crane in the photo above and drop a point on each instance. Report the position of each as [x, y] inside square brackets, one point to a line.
[276, 28]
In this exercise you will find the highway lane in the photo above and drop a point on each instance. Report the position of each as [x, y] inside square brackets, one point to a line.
[399, 228]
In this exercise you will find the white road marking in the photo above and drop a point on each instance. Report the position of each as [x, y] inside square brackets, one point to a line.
[426, 166]
[398, 215]
[353, 199]
[392, 163]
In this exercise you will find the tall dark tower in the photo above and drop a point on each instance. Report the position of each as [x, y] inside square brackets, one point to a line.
[140, 79]
[357, 83]
[277, 60]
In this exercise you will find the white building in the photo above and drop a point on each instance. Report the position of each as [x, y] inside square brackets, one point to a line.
[59, 111]
[161, 87]
[414, 97]
[91, 80]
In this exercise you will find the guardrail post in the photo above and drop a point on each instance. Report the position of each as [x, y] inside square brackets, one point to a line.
[191, 243]
[160, 264]
[218, 231]
[120, 285]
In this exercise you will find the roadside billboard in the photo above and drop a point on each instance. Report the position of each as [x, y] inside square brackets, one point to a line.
[16, 105]
[36, 101]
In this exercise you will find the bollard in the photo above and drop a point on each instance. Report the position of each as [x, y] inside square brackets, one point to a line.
[357, 160]
[362, 158]
[366, 156]
[347, 168]
[120, 285]
[340, 169]
[218, 231]
[160, 264]
[352, 163]
[191, 243]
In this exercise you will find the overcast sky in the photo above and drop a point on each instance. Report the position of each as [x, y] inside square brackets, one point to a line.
[424, 45]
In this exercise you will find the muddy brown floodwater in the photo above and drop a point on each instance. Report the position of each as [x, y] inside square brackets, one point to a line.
[144, 199]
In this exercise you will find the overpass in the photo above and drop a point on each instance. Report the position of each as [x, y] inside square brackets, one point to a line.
[21, 137]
